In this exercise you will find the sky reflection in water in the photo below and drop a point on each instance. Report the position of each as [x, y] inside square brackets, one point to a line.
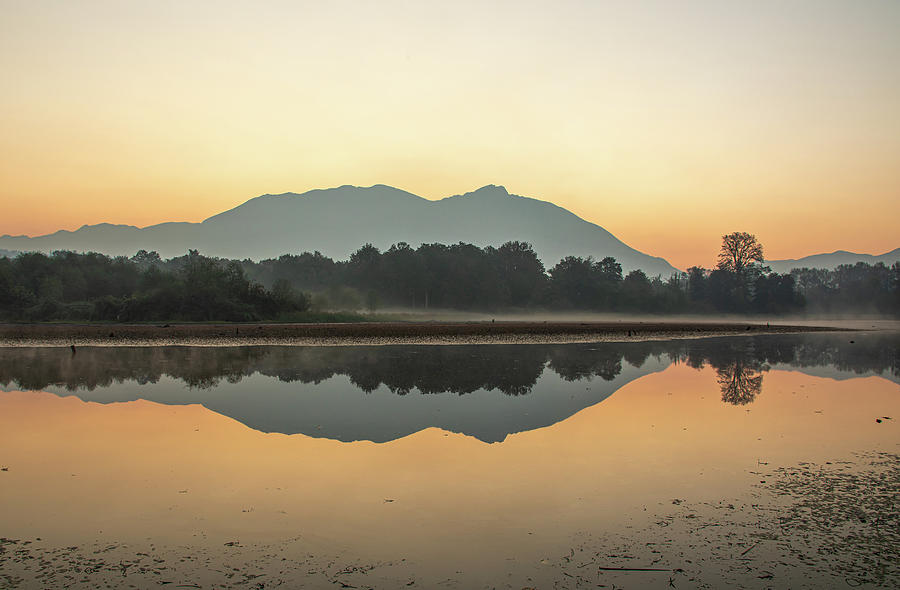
[700, 420]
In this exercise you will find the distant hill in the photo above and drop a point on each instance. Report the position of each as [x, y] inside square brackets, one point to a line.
[337, 221]
[833, 260]
[7, 253]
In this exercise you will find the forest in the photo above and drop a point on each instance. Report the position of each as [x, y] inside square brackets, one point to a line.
[69, 286]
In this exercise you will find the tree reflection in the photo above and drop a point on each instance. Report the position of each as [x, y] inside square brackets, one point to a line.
[575, 364]
[514, 370]
[740, 383]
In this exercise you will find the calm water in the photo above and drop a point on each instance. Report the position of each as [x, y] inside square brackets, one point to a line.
[751, 461]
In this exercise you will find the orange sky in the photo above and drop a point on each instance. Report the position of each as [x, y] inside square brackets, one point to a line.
[669, 124]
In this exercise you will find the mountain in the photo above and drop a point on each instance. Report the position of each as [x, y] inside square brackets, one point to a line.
[337, 221]
[833, 260]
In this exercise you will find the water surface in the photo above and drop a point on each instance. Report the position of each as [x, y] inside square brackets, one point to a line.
[467, 466]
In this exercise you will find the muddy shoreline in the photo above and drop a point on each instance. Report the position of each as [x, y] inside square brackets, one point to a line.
[803, 526]
[374, 333]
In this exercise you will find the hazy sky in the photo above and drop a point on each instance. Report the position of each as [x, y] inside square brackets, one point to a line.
[668, 123]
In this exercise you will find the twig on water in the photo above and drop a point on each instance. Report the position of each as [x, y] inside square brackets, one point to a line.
[632, 569]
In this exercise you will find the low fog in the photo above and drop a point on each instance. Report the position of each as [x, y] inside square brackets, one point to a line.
[843, 321]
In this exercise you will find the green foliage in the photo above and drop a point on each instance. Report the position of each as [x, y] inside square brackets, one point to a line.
[857, 288]
[66, 286]
[94, 287]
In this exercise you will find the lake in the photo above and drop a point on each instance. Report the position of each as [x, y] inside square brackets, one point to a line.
[758, 461]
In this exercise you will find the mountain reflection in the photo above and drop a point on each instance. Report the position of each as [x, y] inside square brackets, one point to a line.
[364, 392]
[511, 369]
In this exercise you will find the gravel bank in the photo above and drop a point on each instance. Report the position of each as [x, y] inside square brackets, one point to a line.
[373, 333]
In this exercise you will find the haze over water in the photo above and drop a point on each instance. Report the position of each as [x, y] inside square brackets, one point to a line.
[692, 457]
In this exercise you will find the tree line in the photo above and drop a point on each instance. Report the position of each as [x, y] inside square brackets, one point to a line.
[95, 287]
[70, 286]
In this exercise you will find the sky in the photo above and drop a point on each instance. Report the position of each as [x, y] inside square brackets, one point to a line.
[667, 123]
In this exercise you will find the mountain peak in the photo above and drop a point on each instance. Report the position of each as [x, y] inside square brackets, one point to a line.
[489, 190]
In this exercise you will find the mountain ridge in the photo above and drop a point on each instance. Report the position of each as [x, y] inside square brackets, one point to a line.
[831, 260]
[337, 221]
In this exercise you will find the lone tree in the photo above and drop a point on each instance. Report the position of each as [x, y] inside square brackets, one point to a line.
[739, 251]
